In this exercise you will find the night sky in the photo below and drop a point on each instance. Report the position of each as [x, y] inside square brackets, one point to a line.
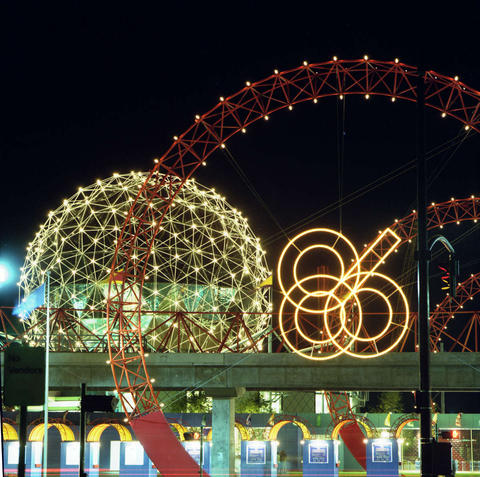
[89, 88]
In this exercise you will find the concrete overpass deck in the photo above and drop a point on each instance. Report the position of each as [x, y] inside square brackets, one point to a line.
[277, 371]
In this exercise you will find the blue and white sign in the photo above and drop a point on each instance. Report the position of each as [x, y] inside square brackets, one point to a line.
[381, 451]
[256, 452]
[317, 452]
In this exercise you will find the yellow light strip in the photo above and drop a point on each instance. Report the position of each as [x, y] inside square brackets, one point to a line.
[336, 429]
[180, 430]
[9, 432]
[96, 432]
[244, 433]
[272, 435]
[66, 433]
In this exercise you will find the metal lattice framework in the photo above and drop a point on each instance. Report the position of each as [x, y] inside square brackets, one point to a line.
[206, 260]
[454, 211]
[211, 131]
[178, 326]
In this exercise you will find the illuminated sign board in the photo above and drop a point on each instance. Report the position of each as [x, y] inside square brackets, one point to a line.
[256, 452]
[13, 450]
[318, 453]
[134, 453]
[381, 451]
[72, 453]
[193, 449]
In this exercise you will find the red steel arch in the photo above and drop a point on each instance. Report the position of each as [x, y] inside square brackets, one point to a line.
[444, 314]
[453, 211]
[450, 212]
[211, 131]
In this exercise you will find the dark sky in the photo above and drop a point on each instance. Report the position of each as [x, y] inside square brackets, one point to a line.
[90, 88]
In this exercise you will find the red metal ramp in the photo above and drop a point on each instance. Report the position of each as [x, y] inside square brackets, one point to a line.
[163, 447]
[353, 438]
[346, 424]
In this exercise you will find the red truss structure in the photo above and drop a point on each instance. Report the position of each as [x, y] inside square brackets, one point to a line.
[211, 131]
[71, 335]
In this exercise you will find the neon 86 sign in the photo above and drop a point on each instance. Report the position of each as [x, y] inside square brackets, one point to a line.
[347, 307]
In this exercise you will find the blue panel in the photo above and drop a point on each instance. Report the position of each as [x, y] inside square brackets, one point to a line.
[193, 449]
[133, 460]
[92, 459]
[320, 458]
[207, 456]
[69, 459]
[10, 456]
[33, 459]
[382, 458]
[258, 458]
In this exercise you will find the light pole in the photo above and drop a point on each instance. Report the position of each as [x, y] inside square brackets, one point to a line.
[423, 257]
[202, 425]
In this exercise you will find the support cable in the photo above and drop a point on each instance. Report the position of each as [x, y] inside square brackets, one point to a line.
[254, 191]
[462, 135]
[340, 157]
[410, 165]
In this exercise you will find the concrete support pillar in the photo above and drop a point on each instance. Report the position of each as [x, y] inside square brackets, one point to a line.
[223, 430]
[223, 437]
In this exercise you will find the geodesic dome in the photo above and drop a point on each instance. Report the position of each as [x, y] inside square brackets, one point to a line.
[206, 262]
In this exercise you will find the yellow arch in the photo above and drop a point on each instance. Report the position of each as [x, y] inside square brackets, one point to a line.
[9, 432]
[272, 435]
[399, 429]
[244, 433]
[97, 431]
[337, 428]
[66, 433]
[180, 429]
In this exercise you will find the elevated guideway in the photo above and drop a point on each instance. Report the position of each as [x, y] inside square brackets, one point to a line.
[276, 371]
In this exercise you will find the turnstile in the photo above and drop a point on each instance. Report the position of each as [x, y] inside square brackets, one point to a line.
[10, 456]
[33, 459]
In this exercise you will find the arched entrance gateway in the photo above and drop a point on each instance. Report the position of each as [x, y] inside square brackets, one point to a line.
[106, 456]
[242, 430]
[210, 131]
[62, 442]
[11, 446]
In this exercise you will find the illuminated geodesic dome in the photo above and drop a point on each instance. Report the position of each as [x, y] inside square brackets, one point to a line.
[205, 262]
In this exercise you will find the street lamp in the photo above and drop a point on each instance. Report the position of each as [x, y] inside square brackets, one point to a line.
[4, 273]
[434, 456]
[453, 262]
